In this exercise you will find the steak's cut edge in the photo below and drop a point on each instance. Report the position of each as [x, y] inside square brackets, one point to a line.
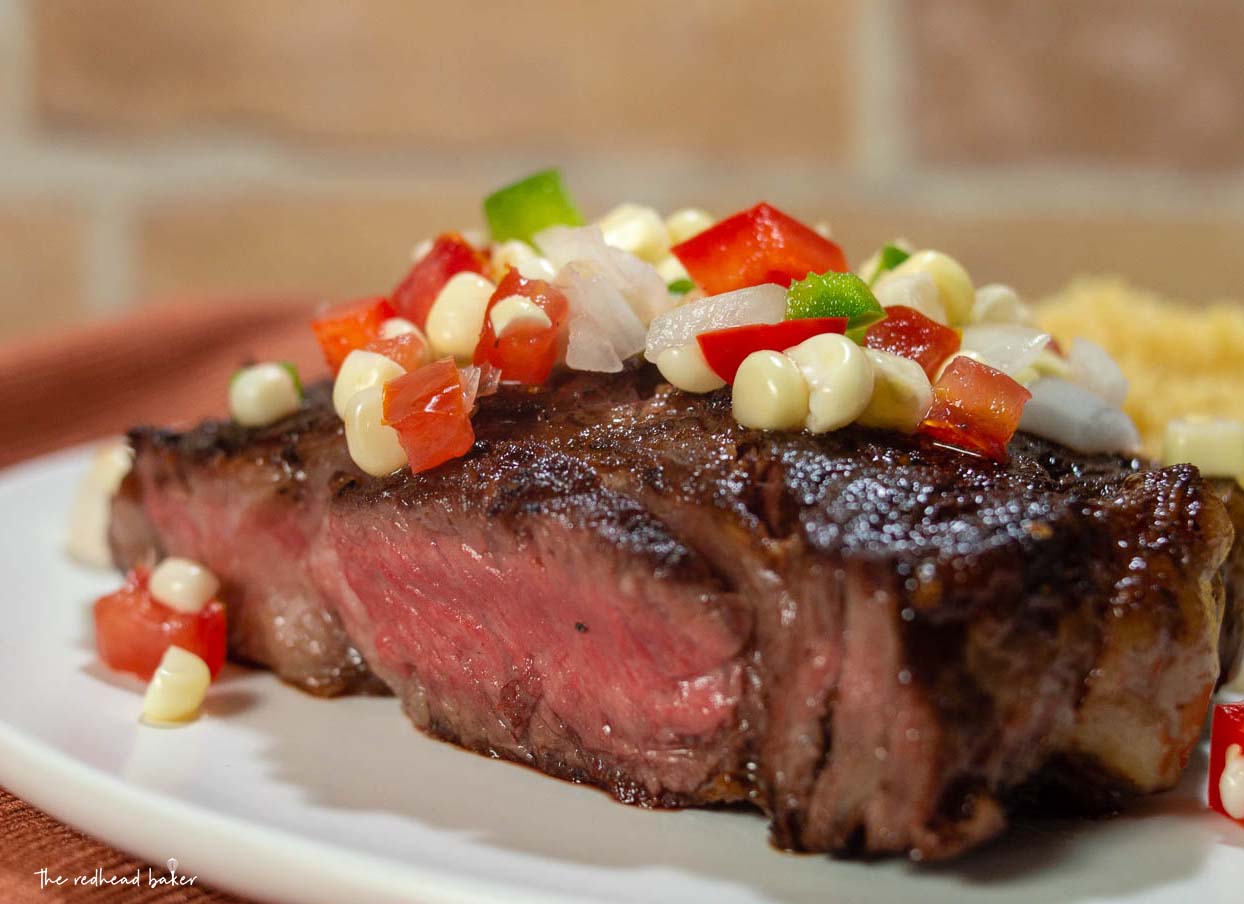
[248, 504]
[875, 640]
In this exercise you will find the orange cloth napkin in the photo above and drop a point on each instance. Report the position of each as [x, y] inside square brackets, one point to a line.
[168, 365]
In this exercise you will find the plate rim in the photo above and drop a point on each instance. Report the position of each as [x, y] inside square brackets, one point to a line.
[280, 865]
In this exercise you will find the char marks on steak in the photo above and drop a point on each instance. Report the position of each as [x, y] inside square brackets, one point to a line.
[875, 639]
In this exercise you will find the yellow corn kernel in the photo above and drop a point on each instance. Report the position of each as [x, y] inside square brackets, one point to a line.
[177, 688]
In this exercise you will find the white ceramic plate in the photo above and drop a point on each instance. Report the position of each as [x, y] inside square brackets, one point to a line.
[285, 797]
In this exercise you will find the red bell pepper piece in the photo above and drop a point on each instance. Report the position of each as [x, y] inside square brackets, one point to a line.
[450, 254]
[133, 630]
[1227, 732]
[756, 246]
[975, 408]
[409, 349]
[431, 414]
[524, 354]
[350, 325]
[724, 350]
[907, 332]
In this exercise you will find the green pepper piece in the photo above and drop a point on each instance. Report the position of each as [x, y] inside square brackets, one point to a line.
[835, 295]
[882, 261]
[292, 370]
[521, 210]
[681, 286]
[891, 257]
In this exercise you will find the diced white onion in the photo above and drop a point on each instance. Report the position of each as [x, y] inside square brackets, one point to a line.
[638, 282]
[684, 366]
[1094, 369]
[1079, 419]
[420, 250]
[182, 584]
[996, 303]
[1005, 347]
[603, 330]
[755, 304]
[177, 688]
[913, 290]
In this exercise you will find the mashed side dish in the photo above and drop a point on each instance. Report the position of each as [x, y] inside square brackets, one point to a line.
[1180, 359]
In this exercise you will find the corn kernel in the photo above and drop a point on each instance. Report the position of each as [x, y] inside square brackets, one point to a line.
[687, 223]
[840, 377]
[954, 286]
[636, 229]
[177, 688]
[182, 584]
[360, 370]
[684, 366]
[523, 258]
[87, 537]
[398, 326]
[671, 269]
[769, 392]
[373, 445]
[263, 394]
[902, 394]
[517, 313]
[456, 318]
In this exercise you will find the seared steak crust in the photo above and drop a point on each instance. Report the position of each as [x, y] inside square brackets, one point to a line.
[874, 639]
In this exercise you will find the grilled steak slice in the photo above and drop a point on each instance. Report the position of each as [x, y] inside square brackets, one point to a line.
[249, 504]
[874, 639]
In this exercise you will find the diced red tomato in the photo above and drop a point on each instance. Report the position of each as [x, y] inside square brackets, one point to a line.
[524, 354]
[1227, 731]
[409, 349]
[133, 630]
[975, 408]
[907, 332]
[756, 246]
[429, 410]
[724, 350]
[350, 325]
[450, 254]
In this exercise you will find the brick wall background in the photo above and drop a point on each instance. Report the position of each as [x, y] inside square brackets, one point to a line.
[181, 149]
